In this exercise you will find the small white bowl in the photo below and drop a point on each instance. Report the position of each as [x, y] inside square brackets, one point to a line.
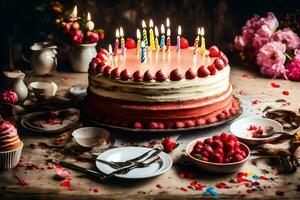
[89, 137]
[239, 129]
[217, 167]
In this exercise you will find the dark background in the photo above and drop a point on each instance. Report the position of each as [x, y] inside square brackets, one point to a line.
[28, 21]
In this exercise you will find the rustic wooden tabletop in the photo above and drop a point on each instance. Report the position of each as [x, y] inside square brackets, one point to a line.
[40, 183]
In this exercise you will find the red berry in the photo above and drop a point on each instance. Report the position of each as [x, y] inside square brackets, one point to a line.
[92, 37]
[236, 145]
[228, 146]
[180, 124]
[205, 159]
[212, 69]
[175, 75]
[225, 59]
[208, 141]
[224, 137]
[137, 76]
[106, 71]
[161, 126]
[232, 137]
[205, 154]
[114, 73]
[203, 71]
[217, 144]
[138, 125]
[153, 125]
[130, 43]
[101, 35]
[217, 158]
[285, 92]
[190, 74]
[219, 151]
[214, 52]
[125, 75]
[184, 43]
[237, 151]
[216, 137]
[237, 157]
[190, 123]
[219, 63]
[209, 150]
[244, 154]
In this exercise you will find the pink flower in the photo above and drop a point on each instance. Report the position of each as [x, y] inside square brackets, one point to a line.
[288, 37]
[261, 37]
[293, 70]
[9, 96]
[271, 21]
[250, 28]
[271, 58]
[297, 54]
[239, 42]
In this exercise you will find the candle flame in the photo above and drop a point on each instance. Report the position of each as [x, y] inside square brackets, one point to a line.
[73, 14]
[117, 33]
[202, 31]
[156, 31]
[162, 29]
[121, 32]
[179, 30]
[138, 34]
[168, 22]
[142, 44]
[168, 32]
[88, 18]
[110, 49]
[199, 31]
[143, 24]
[151, 23]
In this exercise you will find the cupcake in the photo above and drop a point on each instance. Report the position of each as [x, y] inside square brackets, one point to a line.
[10, 145]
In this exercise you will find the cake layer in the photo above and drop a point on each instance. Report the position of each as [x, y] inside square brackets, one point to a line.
[127, 112]
[167, 91]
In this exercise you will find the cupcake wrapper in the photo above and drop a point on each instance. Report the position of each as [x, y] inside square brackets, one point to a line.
[9, 159]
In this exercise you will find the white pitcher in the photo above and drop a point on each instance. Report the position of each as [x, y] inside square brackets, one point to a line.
[43, 58]
[81, 55]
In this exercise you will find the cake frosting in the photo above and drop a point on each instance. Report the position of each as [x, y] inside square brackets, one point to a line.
[9, 139]
[170, 90]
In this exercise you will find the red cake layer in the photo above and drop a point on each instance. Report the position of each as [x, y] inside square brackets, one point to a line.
[158, 115]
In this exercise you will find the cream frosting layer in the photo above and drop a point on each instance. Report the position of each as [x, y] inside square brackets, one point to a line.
[167, 91]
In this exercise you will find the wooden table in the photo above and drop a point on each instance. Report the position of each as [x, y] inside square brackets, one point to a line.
[42, 185]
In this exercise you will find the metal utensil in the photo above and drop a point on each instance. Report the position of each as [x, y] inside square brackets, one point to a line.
[269, 134]
[104, 177]
[120, 164]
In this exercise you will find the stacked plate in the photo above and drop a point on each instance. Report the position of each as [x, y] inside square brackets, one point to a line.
[50, 121]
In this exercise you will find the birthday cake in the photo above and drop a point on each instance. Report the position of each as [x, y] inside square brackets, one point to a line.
[167, 90]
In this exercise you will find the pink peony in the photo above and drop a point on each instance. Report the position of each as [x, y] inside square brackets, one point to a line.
[271, 58]
[297, 54]
[8, 96]
[287, 36]
[239, 42]
[250, 28]
[261, 37]
[293, 70]
[271, 21]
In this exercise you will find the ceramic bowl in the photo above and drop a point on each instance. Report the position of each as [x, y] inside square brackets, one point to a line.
[43, 89]
[89, 137]
[239, 129]
[217, 167]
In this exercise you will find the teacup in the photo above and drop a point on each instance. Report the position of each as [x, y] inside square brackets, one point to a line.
[42, 90]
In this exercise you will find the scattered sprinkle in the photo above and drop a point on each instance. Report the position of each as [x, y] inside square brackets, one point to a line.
[285, 92]
[245, 76]
[255, 102]
[66, 184]
[96, 190]
[159, 186]
[23, 182]
[183, 189]
[211, 191]
[275, 85]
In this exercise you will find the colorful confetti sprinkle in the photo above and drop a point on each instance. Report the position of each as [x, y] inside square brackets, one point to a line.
[211, 191]
[275, 85]
[285, 92]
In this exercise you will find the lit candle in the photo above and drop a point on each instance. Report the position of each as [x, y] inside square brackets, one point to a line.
[168, 23]
[73, 14]
[110, 54]
[152, 42]
[156, 39]
[116, 42]
[143, 52]
[90, 24]
[122, 42]
[145, 38]
[168, 39]
[202, 47]
[196, 43]
[162, 38]
[138, 45]
[178, 39]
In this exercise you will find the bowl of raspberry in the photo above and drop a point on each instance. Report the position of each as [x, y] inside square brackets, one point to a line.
[219, 154]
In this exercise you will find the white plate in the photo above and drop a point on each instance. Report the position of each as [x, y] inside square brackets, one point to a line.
[126, 153]
[239, 129]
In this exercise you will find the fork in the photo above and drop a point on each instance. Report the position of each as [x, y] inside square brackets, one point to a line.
[121, 164]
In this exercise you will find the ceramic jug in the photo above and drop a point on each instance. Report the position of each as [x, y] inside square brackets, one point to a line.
[15, 81]
[43, 58]
[81, 56]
